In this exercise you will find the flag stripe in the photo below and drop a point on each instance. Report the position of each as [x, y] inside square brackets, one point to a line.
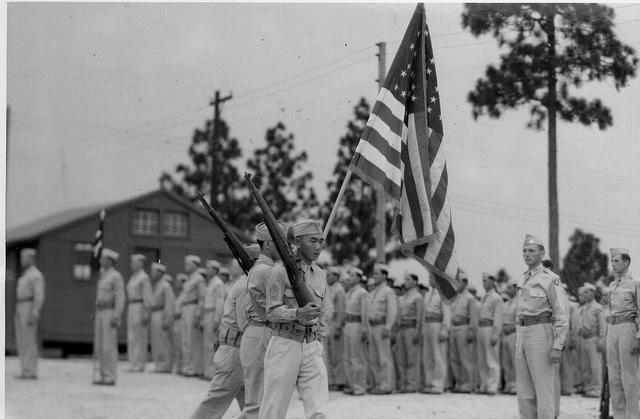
[440, 194]
[372, 174]
[435, 139]
[381, 111]
[380, 143]
[410, 189]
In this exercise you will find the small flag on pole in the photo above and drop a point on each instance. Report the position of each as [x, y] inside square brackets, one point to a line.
[401, 150]
[96, 249]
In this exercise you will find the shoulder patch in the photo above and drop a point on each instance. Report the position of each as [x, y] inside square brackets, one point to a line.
[274, 290]
[556, 282]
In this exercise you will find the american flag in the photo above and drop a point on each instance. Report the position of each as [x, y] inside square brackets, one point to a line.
[96, 248]
[400, 150]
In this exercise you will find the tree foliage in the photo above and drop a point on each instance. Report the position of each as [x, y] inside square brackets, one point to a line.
[584, 261]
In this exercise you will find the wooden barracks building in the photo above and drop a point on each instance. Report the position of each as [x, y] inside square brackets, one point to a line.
[161, 225]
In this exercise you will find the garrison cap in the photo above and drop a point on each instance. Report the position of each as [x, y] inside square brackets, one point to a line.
[224, 271]
[462, 274]
[27, 252]
[253, 250]
[213, 264]
[262, 232]
[529, 239]
[167, 277]
[334, 270]
[182, 277]
[138, 257]
[487, 275]
[110, 254]
[383, 267]
[192, 258]
[306, 227]
[588, 286]
[158, 266]
[472, 289]
[202, 271]
[356, 271]
[618, 251]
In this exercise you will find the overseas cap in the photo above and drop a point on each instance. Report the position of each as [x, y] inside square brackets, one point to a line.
[182, 277]
[262, 232]
[487, 275]
[202, 271]
[192, 258]
[159, 267]
[213, 264]
[382, 267]
[224, 271]
[253, 250]
[462, 274]
[167, 277]
[588, 286]
[618, 251]
[529, 239]
[110, 254]
[306, 227]
[334, 270]
[356, 271]
[138, 257]
[27, 252]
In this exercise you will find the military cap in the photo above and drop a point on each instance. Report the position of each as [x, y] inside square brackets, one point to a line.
[529, 239]
[487, 275]
[462, 274]
[213, 264]
[588, 286]
[224, 271]
[262, 232]
[356, 271]
[334, 270]
[110, 254]
[192, 258]
[384, 268]
[159, 267]
[182, 277]
[253, 250]
[138, 257]
[202, 271]
[306, 227]
[167, 277]
[605, 290]
[27, 252]
[472, 289]
[618, 251]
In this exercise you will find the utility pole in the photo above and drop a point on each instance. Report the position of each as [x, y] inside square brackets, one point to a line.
[216, 103]
[381, 219]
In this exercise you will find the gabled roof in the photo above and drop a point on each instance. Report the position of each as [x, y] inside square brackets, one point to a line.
[35, 229]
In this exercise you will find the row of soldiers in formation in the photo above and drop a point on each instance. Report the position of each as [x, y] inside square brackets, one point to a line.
[376, 339]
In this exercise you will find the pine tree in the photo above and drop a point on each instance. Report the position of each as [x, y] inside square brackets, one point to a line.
[584, 261]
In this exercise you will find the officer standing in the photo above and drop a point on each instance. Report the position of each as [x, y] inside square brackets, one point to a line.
[541, 328]
[410, 310]
[213, 303]
[192, 300]
[437, 321]
[29, 300]
[508, 340]
[110, 300]
[623, 338]
[257, 333]
[138, 314]
[489, 328]
[163, 303]
[464, 323]
[355, 335]
[334, 342]
[294, 355]
[592, 332]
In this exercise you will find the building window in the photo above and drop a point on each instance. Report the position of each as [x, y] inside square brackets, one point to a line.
[176, 224]
[82, 261]
[145, 222]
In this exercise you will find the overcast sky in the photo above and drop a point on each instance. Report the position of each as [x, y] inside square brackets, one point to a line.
[104, 97]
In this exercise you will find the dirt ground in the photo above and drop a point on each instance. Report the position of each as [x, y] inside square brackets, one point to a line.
[64, 391]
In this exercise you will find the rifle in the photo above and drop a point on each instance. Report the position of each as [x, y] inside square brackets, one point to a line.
[604, 395]
[244, 260]
[300, 290]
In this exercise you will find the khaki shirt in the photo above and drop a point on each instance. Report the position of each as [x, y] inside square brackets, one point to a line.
[281, 301]
[590, 319]
[464, 305]
[491, 307]
[410, 305]
[31, 286]
[163, 297]
[383, 303]
[193, 289]
[337, 295]
[139, 288]
[624, 298]
[509, 312]
[355, 303]
[236, 305]
[257, 288]
[111, 289]
[539, 292]
[433, 305]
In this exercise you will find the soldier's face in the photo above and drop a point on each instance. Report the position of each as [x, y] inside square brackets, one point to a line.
[487, 284]
[532, 254]
[136, 264]
[26, 260]
[619, 266]
[510, 290]
[310, 246]
[409, 282]
[190, 266]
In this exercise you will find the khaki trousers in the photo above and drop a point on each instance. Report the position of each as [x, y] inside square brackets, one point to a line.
[161, 350]
[253, 347]
[568, 370]
[624, 385]
[334, 358]
[460, 353]
[434, 357]
[355, 357]
[591, 365]
[209, 338]
[408, 355]
[537, 379]
[26, 339]
[192, 356]
[105, 347]
[176, 344]
[380, 360]
[488, 361]
[287, 365]
[227, 384]
[137, 337]
[508, 361]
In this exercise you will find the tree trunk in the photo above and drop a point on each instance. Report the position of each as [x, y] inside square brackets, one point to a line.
[552, 163]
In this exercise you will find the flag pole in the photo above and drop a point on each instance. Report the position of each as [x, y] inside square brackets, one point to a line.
[336, 204]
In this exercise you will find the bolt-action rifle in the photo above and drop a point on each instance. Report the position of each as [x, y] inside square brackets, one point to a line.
[244, 260]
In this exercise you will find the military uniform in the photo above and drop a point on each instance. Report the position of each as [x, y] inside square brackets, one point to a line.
[381, 312]
[508, 346]
[213, 307]
[163, 303]
[228, 379]
[138, 305]
[29, 301]
[110, 300]
[489, 327]
[334, 342]
[355, 350]
[410, 309]
[464, 323]
[176, 335]
[592, 332]
[624, 321]
[542, 323]
[435, 331]
[192, 301]
[570, 375]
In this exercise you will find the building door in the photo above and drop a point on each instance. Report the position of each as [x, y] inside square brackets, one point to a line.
[151, 253]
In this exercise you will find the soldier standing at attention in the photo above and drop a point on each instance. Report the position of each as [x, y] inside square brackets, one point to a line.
[161, 318]
[623, 338]
[489, 328]
[294, 355]
[435, 330]
[542, 324]
[464, 323]
[110, 299]
[29, 300]
[592, 331]
[355, 335]
[257, 333]
[508, 341]
[138, 313]
[213, 303]
[176, 328]
[192, 299]
[334, 342]
[410, 309]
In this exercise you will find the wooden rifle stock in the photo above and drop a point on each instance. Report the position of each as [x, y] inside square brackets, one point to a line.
[244, 260]
[604, 395]
[300, 290]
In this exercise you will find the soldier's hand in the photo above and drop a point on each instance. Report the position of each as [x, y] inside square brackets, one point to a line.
[601, 347]
[555, 356]
[494, 340]
[115, 321]
[635, 346]
[442, 336]
[309, 312]
[166, 324]
[417, 338]
[471, 336]
[364, 337]
[385, 333]
[32, 319]
[145, 319]
[337, 333]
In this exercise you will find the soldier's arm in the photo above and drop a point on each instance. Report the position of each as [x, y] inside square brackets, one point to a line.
[419, 302]
[147, 293]
[637, 294]
[446, 317]
[322, 320]
[277, 310]
[169, 303]
[497, 314]
[119, 293]
[474, 312]
[392, 310]
[38, 295]
[558, 302]
[340, 308]
[201, 291]
[219, 306]
[364, 310]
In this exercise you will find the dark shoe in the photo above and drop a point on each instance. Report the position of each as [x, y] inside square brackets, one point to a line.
[431, 391]
[347, 390]
[377, 391]
[336, 387]
[358, 393]
[591, 395]
[26, 377]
